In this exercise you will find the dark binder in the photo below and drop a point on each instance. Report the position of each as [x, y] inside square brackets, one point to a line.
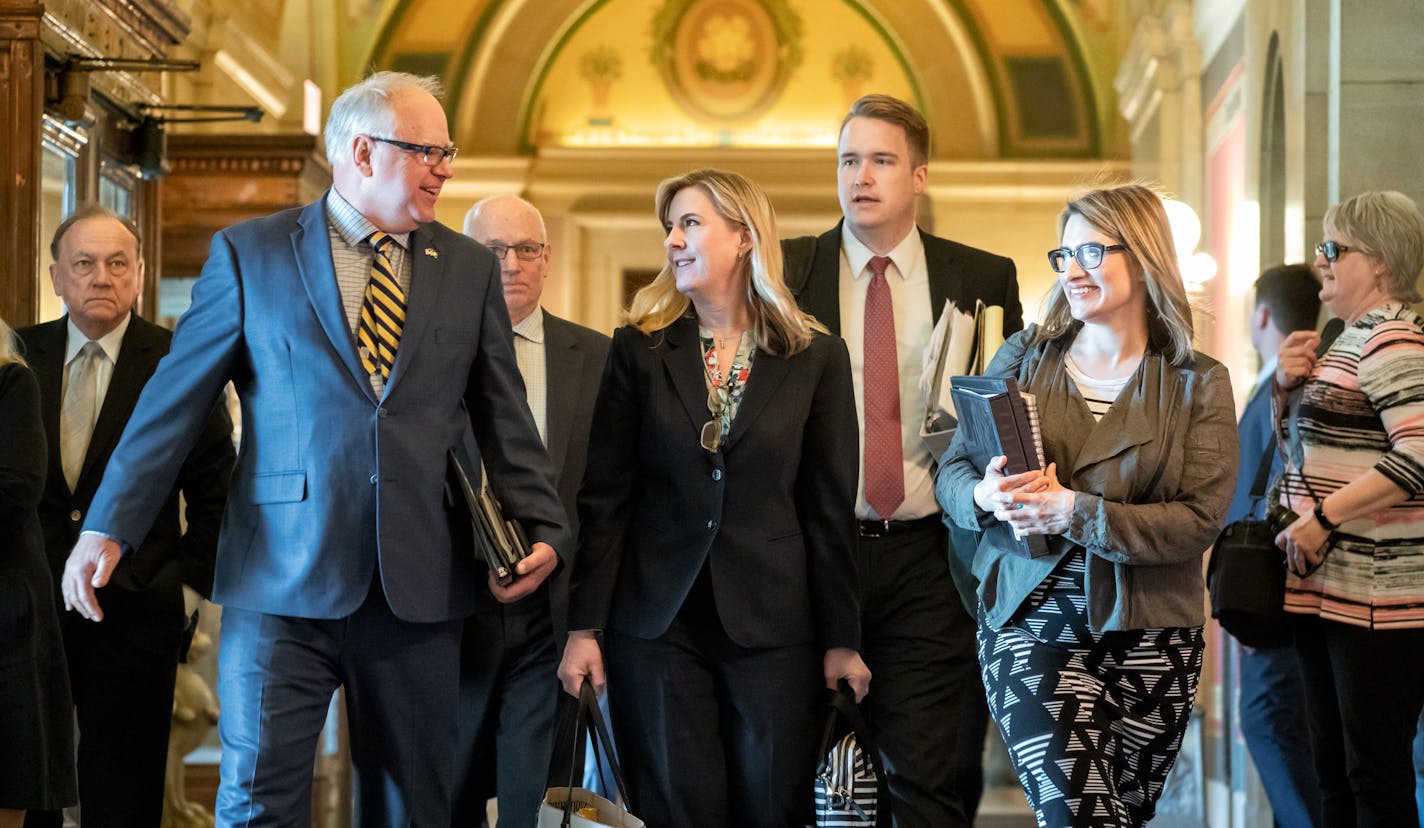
[995, 421]
[500, 543]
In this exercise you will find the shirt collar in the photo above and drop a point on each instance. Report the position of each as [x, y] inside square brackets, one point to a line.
[111, 342]
[353, 227]
[532, 326]
[906, 255]
[1267, 370]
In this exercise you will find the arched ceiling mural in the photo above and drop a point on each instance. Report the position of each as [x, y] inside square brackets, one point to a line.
[996, 78]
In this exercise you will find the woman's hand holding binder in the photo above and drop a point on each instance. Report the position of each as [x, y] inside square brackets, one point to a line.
[1046, 508]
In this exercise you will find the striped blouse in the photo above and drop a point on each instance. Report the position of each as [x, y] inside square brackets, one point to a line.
[1363, 408]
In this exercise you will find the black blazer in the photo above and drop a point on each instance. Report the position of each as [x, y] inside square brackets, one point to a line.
[574, 357]
[770, 513]
[957, 272]
[25, 583]
[144, 592]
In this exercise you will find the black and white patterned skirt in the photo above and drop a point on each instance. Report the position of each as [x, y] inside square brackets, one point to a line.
[1092, 721]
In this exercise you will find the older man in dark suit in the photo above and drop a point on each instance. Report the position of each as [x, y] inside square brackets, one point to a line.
[92, 365]
[366, 341]
[508, 693]
[878, 281]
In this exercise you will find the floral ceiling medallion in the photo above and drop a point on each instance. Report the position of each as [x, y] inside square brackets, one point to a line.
[726, 61]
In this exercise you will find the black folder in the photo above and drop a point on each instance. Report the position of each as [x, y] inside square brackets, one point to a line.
[500, 543]
[994, 421]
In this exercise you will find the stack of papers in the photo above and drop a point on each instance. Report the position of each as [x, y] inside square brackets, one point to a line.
[963, 343]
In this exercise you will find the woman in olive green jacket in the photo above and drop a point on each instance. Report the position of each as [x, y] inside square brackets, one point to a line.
[1091, 653]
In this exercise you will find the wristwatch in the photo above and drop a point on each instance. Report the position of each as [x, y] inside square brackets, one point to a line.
[1321, 519]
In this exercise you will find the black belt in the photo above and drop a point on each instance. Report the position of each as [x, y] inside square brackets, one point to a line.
[885, 528]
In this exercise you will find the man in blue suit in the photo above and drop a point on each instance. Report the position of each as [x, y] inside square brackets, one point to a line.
[1272, 698]
[365, 341]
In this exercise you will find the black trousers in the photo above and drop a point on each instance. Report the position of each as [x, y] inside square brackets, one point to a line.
[1363, 692]
[123, 698]
[919, 644]
[712, 734]
[508, 698]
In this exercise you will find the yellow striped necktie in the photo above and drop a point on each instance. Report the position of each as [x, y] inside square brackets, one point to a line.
[382, 312]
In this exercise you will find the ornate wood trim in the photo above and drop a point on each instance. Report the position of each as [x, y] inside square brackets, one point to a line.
[218, 180]
[21, 115]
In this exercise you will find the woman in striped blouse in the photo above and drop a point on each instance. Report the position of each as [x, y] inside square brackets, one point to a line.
[1352, 423]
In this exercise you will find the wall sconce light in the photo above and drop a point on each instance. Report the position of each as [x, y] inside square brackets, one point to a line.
[1197, 267]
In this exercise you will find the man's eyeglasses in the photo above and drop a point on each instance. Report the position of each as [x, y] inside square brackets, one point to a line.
[528, 251]
[430, 155]
[1089, 255]
[712, 429]
[1332, 250]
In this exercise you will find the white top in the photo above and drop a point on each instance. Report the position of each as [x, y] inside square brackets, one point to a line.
[1098, 393]
[909, 281]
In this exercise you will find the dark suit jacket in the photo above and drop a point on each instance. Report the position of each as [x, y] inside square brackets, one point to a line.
[37, 726]
[574, 358]
[957, 272]
[329, 478]
[145, 591]
[770, 513]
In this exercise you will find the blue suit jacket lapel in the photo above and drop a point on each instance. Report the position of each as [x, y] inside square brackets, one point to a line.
[427, 273]
[311, 247]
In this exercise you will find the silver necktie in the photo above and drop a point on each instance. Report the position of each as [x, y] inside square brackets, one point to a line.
[80, 410]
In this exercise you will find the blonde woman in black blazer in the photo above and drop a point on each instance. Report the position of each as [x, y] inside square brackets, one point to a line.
[715, 554]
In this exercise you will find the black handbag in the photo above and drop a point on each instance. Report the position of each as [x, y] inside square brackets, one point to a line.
[1246, 576]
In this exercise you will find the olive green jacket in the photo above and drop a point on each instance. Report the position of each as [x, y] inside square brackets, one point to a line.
[1153, 480]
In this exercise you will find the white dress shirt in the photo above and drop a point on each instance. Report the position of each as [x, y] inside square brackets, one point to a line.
[529, 355]
[909, 281]
[110, 342]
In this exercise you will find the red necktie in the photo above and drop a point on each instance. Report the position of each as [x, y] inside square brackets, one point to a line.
[884, 454]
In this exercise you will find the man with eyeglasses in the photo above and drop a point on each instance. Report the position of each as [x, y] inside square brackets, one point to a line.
[879, 282]
[507, 697]
[365, 341]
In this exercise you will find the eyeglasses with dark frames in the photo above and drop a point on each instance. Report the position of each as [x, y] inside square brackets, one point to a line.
[430, 155]
[1088, 254]
[527, 251]
[1331, 250]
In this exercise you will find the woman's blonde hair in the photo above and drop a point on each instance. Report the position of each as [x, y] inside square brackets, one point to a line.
[1134, 215]
[1387, 225]
[9, 350]
[781, 327]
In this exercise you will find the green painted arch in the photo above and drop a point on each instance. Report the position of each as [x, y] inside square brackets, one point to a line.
[526, 111]
[987, 69]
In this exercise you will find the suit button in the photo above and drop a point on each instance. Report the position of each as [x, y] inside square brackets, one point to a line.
[716, 474]
[373, 480]
[75, 515]
[711, 524]
[382, 412]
